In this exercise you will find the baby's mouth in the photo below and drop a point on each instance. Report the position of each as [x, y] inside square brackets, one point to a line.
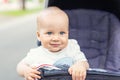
[55, 45]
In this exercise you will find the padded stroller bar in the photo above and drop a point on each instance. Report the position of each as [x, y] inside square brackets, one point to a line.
[92, 74]
[96, 74]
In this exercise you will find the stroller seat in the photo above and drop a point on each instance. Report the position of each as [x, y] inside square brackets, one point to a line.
[98, 34]
[64, 75]
[95, 25]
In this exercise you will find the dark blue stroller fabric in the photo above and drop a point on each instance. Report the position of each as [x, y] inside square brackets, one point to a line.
[64, 75]
[98, 34]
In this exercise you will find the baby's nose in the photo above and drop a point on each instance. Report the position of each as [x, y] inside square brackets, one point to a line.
[55, 37]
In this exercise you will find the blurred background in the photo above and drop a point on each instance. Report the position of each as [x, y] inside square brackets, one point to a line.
[17, 33]
[6, 5]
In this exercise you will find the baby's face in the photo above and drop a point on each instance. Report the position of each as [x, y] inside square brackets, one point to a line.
[54, 34]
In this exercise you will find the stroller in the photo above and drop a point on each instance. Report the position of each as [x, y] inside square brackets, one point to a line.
[95, 24]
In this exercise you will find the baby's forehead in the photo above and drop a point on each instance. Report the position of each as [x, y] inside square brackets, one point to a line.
[51, 11]
[51, 14]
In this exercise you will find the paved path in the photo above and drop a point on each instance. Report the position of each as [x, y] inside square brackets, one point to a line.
[16, 38]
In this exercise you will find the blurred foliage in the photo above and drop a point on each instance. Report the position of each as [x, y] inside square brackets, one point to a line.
[20, 12]
[41, 1]
[29, 0]
[10, 0]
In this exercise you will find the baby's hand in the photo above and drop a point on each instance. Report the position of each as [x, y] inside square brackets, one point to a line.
[31, 73]
[78, 71]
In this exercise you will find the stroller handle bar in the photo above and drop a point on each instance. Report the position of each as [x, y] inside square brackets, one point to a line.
[92, 74]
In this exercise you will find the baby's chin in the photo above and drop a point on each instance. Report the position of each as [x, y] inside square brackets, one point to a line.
[57, 50]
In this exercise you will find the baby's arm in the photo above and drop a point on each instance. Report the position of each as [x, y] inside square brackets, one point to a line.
[78, 70]
[29, 73]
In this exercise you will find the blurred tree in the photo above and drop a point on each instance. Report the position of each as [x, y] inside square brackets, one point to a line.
[41, 1]
[5, 1]
[22, 4]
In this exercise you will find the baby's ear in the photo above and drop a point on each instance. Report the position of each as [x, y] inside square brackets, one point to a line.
[38, 35]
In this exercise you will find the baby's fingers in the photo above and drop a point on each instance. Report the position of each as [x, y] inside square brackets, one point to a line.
[84, 75]
[36, 72]
[29, 78]
[70, 71]
[35, 76]
[76, 75]
[81, 76]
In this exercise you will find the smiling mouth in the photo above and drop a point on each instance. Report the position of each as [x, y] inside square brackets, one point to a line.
[55, 45]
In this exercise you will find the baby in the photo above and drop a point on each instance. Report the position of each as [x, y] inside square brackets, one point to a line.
[56, 47]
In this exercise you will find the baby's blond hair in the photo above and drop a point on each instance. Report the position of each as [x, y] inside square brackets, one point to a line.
[50, 11]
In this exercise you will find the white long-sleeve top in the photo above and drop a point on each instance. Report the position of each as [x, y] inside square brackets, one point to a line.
[41, 55]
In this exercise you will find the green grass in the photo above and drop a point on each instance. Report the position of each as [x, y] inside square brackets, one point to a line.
[20, 12]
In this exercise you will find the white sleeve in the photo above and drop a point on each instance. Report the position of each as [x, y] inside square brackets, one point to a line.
[77, 53]
[29, 59]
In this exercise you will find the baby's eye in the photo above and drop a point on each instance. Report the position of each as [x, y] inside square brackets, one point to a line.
[49, 33]
[61, 33]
